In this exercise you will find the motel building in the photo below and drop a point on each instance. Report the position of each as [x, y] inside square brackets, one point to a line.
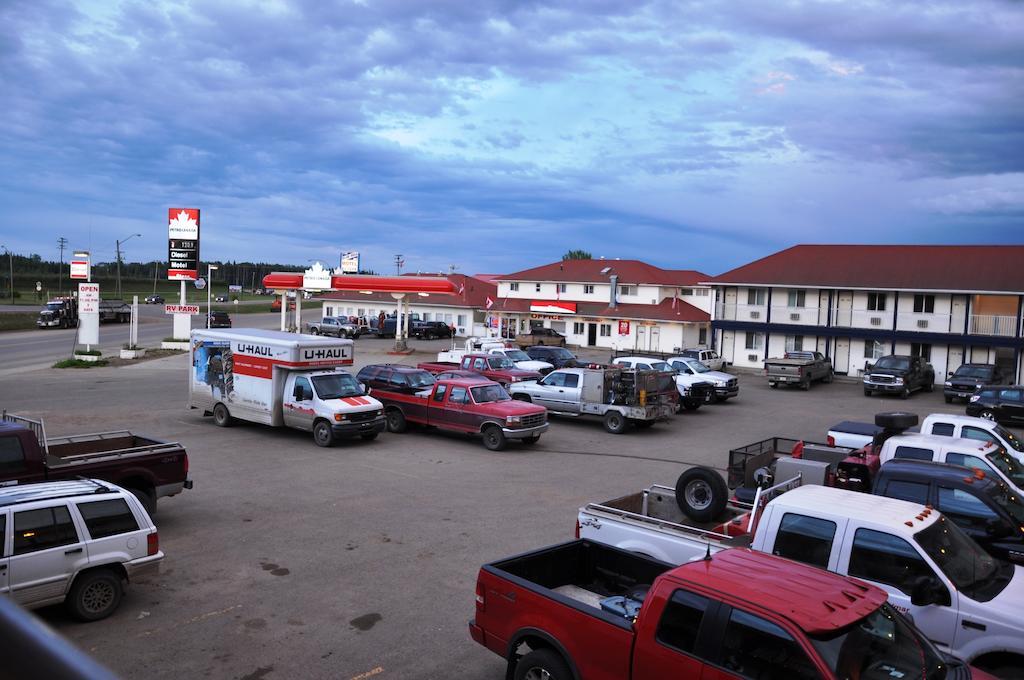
[615, 304]
[948, 304]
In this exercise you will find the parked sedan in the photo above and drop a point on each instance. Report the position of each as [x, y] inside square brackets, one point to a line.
[1001, 404]
[219, 319]
[540, 336]
[155, 299]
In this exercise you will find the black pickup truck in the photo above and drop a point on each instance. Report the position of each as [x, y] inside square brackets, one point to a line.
[900, 375]
[963, 382]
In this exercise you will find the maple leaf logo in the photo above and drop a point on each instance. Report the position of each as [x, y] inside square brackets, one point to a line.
[183, 226]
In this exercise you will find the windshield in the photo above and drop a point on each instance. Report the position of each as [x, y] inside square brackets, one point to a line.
[336, 386]
[420, 379]
[1008, 465]
[698, 366]
[563, 353]
[1008, 437]
[882, 645]
[500, 362]
[517, 355]
[662, 366]
[981, 372]
[54, 306]
[1010, 502]
[488, 393]
[897, 363]
[957, 556]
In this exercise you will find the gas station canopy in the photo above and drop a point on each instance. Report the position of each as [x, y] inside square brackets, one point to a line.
[354, 282]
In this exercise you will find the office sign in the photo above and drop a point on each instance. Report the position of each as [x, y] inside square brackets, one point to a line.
[80, 266]
[183, 244]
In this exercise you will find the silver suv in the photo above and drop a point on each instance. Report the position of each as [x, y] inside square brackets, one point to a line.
[77, 542]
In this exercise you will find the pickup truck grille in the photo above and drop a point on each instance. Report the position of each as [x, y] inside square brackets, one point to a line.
[535, 420]
[732, 383]
[881, 379]
[363, 416]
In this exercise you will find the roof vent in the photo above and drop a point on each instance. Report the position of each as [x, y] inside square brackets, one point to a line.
[606, 269]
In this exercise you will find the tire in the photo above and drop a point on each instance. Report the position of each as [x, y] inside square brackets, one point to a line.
[701, 494]
[615, 422]
[221, 415]
[805, 385]
[710, 398]
[949, 400]
[896, 420]
[988, 415]
[147, 497]
[494, 438]
[905, 394]
[323, 435]
[830, 377]
[523, 397]
[95, 595]
[691, 405]
[396, 421]
[542, 664]
[530, 441]
[773, 385]
[314, 331]
[930, 386]
[369, 436]
[867, 392]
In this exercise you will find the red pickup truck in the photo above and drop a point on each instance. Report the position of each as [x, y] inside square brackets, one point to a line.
[149, 468]
[586, 611]
[498, 368]
[470, 405]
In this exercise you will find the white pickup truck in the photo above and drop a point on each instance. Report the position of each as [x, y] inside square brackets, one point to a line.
[964, 600]
[857, 435]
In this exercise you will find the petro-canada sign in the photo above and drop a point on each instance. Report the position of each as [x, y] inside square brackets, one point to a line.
[182, 244]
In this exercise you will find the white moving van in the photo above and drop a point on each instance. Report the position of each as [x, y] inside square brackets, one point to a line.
[281, 379]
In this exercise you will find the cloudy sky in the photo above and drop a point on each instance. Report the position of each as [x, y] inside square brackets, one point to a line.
[497, 135]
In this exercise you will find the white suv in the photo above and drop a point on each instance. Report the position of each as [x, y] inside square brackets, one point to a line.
[77, 542]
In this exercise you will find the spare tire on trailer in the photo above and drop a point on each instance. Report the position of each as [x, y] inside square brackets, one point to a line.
[896, 420]
[701, 494]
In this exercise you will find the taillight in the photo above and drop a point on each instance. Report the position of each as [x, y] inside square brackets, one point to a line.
[831, 440]
[185, 456]
[153, 543]
[577, 527]
[481, 603]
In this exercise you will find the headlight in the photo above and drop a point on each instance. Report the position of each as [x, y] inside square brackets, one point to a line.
[975, 398]
[897, 381]
[949, 384]
[513, 420]
[340, 417]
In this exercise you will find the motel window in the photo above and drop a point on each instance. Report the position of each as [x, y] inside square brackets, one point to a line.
[797, 298]
[462, 320]
[588, 289]
[426, 316]
[924, 304]
[578, 328]
[537, 285]
[794, 343]
[702, 336]
[921, 349]
[448, 319]
[876, 302]
[606, 330]
[561, 287]
[627, 290]
[755, 296]
[753, 341]
[703, 292]
[686, 291]
[874, 349]
[513, 286]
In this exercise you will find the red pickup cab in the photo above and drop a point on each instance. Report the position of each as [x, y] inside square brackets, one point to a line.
[149, 468]
[470, 405]
[497, 367]
[586, 611]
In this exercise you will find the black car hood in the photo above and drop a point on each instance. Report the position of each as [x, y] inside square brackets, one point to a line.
[889, 371]
[967, 382]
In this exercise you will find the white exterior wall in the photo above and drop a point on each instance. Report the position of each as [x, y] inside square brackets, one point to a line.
[460, 317]
[704, 302]
[936, 322]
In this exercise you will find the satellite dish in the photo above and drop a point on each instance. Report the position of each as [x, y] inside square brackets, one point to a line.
[200, 283]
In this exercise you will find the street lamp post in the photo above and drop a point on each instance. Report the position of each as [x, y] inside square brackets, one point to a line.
[10, 261]
[124, 240]
[209, 287]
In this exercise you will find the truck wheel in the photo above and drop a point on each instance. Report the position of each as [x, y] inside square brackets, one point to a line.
[710, 397]
[905, 394]
[830, 377]
[395, 420]
[805, 385]
[988, 415]
[896, 420]
[701, 494]
[542, 664]
[614, 422]
[95, 595]
[530, 441]
[494, 438]
[323, 435]
[691, 404]
[146, 497]
[929, 386]
[867, 392]
[221, 415]
[314, 331]
[773, 385]
[949, 399]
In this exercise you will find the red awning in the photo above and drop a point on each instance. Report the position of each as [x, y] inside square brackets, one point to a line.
[375, 284]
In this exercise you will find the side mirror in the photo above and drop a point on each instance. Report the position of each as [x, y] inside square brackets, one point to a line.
[950, 373]
[926, 591]
[298, 393]
[362, 388]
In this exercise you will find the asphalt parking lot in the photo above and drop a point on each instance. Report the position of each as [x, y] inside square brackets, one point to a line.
[288, 560]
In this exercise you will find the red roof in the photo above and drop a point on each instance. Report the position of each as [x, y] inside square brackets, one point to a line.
[996, 269]
[683, 311]
[474, 294]
[590, 271]
[816, 600]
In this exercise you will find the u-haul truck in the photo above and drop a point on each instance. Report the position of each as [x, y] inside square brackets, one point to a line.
[281, 379]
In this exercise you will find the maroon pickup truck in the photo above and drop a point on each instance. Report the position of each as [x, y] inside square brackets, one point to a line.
[149, 468]
[587, 611]
[470, 405]
[498, 368]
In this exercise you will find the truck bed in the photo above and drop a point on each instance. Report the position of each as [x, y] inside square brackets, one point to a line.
[745, 461]
[439, 366]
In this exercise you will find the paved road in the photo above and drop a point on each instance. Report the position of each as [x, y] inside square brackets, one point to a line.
[287, 560]
[26, 350]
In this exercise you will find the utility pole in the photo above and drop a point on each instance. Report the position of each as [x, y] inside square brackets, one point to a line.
[398, 264]
[62, 243]
[119, 262]
[155, 264]
[10, 260]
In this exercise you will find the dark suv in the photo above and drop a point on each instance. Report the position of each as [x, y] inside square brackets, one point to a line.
[395, 378]
[1001, 404]
[559, 357]
[985, 508]
[429, 330]
[900, 375]
[219, 319]
[968, 378]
